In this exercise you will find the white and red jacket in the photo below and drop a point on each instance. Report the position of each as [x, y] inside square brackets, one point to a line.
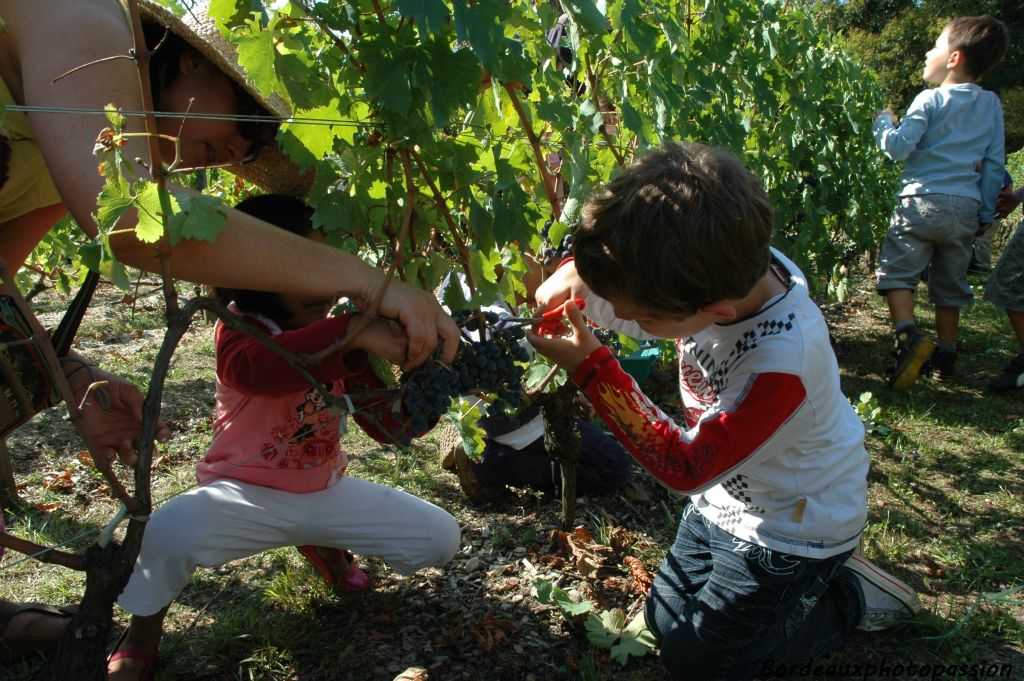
[272, 428]
[772, 451]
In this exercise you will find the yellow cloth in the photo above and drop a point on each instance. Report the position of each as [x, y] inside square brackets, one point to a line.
[29, 185]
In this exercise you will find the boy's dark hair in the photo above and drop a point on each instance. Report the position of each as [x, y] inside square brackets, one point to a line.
[685, 226]
[983, 40]
[289, 214]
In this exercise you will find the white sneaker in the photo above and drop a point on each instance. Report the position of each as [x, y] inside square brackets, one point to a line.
[887, 600]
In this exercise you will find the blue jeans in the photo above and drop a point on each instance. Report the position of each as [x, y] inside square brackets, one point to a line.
[721, 607]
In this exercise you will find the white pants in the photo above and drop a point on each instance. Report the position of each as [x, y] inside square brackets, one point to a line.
[227, 519]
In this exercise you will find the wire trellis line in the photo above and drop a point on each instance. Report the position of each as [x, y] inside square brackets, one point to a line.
[254, 118]
[249, 118]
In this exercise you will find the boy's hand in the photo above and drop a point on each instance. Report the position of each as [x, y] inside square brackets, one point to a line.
[888, 111]
[1007, 200]
[570, 352]
[380, 338]
[561, 286]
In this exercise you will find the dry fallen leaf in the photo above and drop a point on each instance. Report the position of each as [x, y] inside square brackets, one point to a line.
[587, 556]
[620, 538]
[46, 508]
[65, 482]
[642, 577]
[413, 674]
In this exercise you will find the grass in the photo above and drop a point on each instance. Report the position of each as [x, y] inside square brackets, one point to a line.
[946, 514]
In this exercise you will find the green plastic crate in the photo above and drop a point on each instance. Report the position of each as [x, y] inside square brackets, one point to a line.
[639, 364]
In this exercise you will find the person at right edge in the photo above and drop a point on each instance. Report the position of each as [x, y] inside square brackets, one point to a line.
[951, 140]
[764, 571]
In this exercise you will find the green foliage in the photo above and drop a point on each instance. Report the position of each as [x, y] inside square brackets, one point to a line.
[458, 104]
[605, 628]
[548, 594]
[609, 629]
[839, 283]
[870, 412]
[467, 419]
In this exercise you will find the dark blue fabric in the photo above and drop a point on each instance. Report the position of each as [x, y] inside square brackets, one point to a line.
[603, 467]
[721, 607]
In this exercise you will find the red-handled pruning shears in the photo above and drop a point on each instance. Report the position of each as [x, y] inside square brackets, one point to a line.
[548, 324]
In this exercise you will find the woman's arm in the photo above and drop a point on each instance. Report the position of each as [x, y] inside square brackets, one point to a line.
[249, 253]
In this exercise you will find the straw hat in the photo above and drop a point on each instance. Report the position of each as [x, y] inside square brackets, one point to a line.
[271, 170]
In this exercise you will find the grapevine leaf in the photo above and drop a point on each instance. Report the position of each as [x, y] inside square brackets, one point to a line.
[430, 15]
[199, 217]
[544, 588]
[586, 13]
[570, 607]
[481, 25]
[453, 298]
[317, 139]
[451, 81]
[306, 92]
[256, 54]
[636, 640]
[556, 110]
[294, 147]
[481, 225]
[473, 435]
[538, 371]
[510, 203]
[91, 254]
[230, 13]
[388, 68]
[636, 29]
[603, 628]
[110, 206]
[631, 119]
[483, 265]
[339, 212]
[150, 226]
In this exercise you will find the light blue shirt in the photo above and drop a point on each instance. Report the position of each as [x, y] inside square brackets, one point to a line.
[952, 141]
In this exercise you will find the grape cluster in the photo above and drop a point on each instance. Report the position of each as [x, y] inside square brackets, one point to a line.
[609, 338]
[551, 255]
[489, 365]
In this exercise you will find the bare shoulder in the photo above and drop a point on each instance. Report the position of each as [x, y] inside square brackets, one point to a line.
[60, 32]
[73, 34]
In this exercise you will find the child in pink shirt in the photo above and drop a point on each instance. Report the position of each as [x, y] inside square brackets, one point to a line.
[275, 472]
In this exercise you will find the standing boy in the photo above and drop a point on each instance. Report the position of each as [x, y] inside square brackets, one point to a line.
[951, 140]
[772, 454]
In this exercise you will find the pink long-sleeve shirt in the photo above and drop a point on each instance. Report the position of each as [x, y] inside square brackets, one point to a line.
[272, 428]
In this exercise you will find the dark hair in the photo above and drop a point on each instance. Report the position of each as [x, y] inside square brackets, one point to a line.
[164, 71]
[289, 214]
[685, 226]
[983, 40]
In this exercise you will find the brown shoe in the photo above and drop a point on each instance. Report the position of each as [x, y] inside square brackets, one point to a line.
[471, 486]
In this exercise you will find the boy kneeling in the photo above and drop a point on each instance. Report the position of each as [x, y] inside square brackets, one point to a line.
[761, 572]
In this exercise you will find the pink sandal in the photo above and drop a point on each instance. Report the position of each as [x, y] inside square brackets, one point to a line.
[352, 581]
[148, 656]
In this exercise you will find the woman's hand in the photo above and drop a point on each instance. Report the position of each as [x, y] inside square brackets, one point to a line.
[569, 352]
[561, 286]
[111, 432]
[425, 323]
[379, 337]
